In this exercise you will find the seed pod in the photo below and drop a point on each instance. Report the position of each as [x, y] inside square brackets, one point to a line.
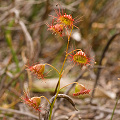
[79, 87]
[36, 100]
[80, 58]
[80, 90]
[38, 70]
[33, 102]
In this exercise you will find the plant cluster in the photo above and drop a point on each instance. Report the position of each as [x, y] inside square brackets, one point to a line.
[62, 22]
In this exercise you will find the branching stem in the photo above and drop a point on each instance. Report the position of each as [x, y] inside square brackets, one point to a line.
[45, 98]
[60, 75]
[52, 67]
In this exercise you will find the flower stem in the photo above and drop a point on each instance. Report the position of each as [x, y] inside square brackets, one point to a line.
[69, 84]
[45, 98]
[60, 75]
[52, 67]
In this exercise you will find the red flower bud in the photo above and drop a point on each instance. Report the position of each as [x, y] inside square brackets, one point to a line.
[80, 58]
[80, 90]
[38, 70]
[32, 102]
[57, 29]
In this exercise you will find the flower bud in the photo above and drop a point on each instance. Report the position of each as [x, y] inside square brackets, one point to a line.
[57, 29]
[80, 58]
[66, 20]
[36, 100]
[80, 90]
[38, 69]
[79, 87]
[33, 102]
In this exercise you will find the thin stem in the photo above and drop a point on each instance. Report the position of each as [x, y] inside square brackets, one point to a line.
[100, 62]
[66, 54]
[52, 67]
[57, 86]
[46, 99]
[114, 108]
[73, 51]
[68, 85]
[60, 75]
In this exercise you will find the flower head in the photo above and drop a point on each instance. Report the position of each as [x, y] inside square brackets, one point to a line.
[80, 90]
[80, 58]
[32, 102]
[57, 29]
[66, 19]
[38, 70]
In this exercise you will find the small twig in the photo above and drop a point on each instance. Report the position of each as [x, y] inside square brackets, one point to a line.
[103, 109]
[18, 112]
[71, 6]
[100, 63]
[4, 16]
[39, 114]
[13, 90]
[3, 77]
[30, 26]
[13, 80]
[72, 85]
[104, 9]
[5, 8]
[76, 2]
[58, 96]
[47, 11]
[107, 110]
[23, 2]
[76, 80]
[28, 38]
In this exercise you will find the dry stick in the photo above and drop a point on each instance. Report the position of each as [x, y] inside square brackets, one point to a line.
[71, 6]
[3, 77]
[23, 2]
[3, 9]
[39, 114]
[2, 81]
[102, 109]
[28, 38]
[104, 9]
[100, 63]
[47, 11]
[51, 101]
[76, 80]
[13, 80]
[13, 90]
[30, 26]
[107, 110]
[70, 87]
[18, 112]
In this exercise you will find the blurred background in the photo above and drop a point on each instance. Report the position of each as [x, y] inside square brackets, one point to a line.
[25, 39]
